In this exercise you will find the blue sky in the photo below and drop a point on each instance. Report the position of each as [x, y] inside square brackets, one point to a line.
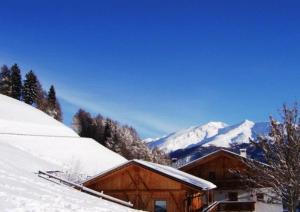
[159, 65]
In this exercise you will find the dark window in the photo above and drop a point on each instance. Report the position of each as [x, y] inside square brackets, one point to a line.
[260, 197]
[232, 196]
[212, 176]
[160, 206]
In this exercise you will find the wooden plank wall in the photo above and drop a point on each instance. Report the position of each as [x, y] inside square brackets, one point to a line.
[142, 187]
[221, 167]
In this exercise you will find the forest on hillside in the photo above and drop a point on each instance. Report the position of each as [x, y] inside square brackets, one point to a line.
[29, 90]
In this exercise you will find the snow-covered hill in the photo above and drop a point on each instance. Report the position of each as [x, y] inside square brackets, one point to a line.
[213, 133]
[19, 118]
[31, 141]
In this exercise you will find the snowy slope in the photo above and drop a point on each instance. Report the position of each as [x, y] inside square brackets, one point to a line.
[19, 118]
[22, 190]
[84, 153]
[214, 133]
[31, 141]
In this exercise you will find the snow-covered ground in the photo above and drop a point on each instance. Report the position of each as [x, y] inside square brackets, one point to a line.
[213, 133]
[20, 118]
[31, 141]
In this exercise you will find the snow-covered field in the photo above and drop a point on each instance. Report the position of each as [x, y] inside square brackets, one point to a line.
[31, 141]
[213, 133]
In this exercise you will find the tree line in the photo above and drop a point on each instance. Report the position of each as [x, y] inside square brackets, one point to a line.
[121, 139]
[29, 90]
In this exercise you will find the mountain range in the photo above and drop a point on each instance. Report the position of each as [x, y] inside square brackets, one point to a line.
[218, 134]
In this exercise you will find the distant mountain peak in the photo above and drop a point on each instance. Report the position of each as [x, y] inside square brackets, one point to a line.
[212, 133]
[187, 137]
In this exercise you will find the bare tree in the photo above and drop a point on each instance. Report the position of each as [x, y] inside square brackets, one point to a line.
[281, 150]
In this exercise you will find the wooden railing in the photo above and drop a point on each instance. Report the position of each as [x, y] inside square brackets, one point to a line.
[211, 208]
[85, 189]
[231, 206]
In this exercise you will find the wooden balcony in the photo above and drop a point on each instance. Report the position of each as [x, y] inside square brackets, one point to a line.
[231, 206]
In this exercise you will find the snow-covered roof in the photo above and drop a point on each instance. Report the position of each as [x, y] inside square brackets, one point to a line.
[168, 171]
[217, 152]
[209, 155]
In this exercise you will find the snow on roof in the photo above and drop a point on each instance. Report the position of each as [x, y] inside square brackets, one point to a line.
[217, 151]
[180, 175]
[167, 171]
[210, 154]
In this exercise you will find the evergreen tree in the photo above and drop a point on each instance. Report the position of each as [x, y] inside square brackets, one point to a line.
[30, 88]
[58, 113]
[5, 81]
[52, 98]
[16, 82]
[54, 109]
[41, 97]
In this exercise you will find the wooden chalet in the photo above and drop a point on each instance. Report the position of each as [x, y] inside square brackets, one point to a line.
[153, 187]
[216, 167]
[232, 193]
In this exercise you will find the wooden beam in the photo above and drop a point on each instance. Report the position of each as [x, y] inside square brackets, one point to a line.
[136, 190]
[132, 180]
[174, 199]
[141, 180]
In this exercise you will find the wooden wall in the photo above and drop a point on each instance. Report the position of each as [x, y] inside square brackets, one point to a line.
[142, 187]
[220, 165]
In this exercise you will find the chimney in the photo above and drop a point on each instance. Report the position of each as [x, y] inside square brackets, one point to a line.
[243, 153]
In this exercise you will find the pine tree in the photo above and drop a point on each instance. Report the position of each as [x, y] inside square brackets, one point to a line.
[52, 98]
[41, 97]
[5, 81]
[54, 109]
[16, 82]
[30, 88]
[58, 113]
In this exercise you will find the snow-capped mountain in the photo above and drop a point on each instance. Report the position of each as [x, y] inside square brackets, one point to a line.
[31, 141]
[213, 133]
[186, 137]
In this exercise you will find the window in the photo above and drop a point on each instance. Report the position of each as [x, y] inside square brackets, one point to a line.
[212, 176]
[160, 206]
[232, 196]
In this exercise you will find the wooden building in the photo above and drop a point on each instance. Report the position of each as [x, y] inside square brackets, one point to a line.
[153, 187]
[232, 193]
[216, 167]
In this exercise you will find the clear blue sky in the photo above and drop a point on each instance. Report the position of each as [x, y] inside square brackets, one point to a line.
[159, 65]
